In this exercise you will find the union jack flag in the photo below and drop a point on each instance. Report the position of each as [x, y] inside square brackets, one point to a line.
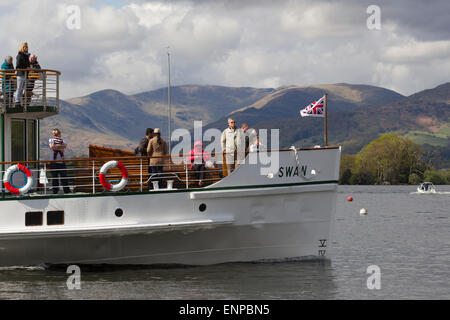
[315, 109]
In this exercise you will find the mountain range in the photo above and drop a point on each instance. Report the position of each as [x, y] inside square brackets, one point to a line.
[357, 114]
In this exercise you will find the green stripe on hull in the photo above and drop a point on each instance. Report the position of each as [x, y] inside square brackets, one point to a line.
[110, 194]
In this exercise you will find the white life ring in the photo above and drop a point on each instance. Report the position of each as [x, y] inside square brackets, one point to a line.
[28, 179]
[104, 181]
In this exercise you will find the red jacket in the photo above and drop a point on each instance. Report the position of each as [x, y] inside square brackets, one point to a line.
[195, 156]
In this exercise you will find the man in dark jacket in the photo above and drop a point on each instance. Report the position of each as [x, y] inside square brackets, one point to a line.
[141, 150]
[34, 64]
[22, 62]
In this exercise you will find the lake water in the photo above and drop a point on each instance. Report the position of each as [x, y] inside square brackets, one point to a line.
[406, 235]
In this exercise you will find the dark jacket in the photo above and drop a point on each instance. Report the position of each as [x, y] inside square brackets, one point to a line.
[141, 150]
[34, 66]
[22, 62]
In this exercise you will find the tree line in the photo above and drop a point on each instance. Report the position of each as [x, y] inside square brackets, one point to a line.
[390, 159]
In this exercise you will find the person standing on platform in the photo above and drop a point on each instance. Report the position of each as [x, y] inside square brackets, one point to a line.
[7, 81]
[233, 145]
[58, 168]
[157, 147]
[22, 62]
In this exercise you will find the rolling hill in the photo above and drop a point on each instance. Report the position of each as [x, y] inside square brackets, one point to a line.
[111, 118]
[357, 114]
[287, 102]
[423, 117]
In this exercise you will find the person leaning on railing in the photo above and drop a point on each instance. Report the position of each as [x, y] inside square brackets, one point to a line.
[7, 83]
[197, 158]
[34, 64]
[22, 62]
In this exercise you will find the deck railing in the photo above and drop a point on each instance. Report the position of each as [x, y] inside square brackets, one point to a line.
[82, 176]
[40, 93]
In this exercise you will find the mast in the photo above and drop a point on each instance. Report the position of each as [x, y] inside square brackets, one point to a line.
[3, 150]
[326, 122]
[168, 103]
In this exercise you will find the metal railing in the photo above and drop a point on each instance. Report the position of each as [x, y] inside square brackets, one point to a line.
[40, 89]
[82, 176]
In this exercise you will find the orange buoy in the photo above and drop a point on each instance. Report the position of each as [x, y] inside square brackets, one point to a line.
[350, 199]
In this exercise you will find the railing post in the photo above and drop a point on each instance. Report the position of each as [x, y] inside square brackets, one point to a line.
[45, 179]
[187, 176]
[93, 177]
[57, 92]
[25, 87]
[140, 162]
[44, 91]
[3, 151]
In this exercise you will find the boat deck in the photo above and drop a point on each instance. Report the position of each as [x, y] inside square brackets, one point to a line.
[83, 174]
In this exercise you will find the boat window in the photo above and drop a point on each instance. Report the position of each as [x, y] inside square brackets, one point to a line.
[55, 218]
[23, 140]
[31, 140]
[33, 218]
[18, 140]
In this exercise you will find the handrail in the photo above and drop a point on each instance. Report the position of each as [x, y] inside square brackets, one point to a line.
[85, 178]
[213, 154]
[33, 70]
[82, 174]
[40, 89]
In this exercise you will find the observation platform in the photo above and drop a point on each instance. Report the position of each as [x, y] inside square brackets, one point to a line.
[40, 97]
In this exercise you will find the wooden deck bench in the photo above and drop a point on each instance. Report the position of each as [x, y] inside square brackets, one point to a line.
[137, 168]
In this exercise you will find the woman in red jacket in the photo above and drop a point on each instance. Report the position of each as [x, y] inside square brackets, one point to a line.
[197, 157]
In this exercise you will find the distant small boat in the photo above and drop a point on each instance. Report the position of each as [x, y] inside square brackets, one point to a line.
[426, 187]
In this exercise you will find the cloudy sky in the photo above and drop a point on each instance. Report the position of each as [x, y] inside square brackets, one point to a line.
[122, 44]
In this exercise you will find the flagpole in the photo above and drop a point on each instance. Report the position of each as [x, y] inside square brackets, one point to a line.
[326, 122]
[169, 116]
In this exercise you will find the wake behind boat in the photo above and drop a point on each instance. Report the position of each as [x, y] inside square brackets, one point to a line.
[112, 218]
[426, 187]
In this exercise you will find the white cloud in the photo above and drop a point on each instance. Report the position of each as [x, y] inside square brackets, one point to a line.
[414, 51]
[257, 43]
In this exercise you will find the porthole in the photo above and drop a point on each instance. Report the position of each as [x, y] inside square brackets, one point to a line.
[118, 212]
[202, 207]
[33, 218]
[55, 218]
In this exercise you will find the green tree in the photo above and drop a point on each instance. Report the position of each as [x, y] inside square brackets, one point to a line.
[392, 159]
[437, 176]
[414, 178]
[347, 168]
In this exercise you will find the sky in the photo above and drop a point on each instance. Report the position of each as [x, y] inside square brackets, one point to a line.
[123, 45]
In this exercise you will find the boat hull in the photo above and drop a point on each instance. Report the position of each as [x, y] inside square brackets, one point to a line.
[200, 247]
[228, 222]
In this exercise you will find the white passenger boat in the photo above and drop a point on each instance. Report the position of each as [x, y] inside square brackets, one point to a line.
[426, 187]
[245, 216]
